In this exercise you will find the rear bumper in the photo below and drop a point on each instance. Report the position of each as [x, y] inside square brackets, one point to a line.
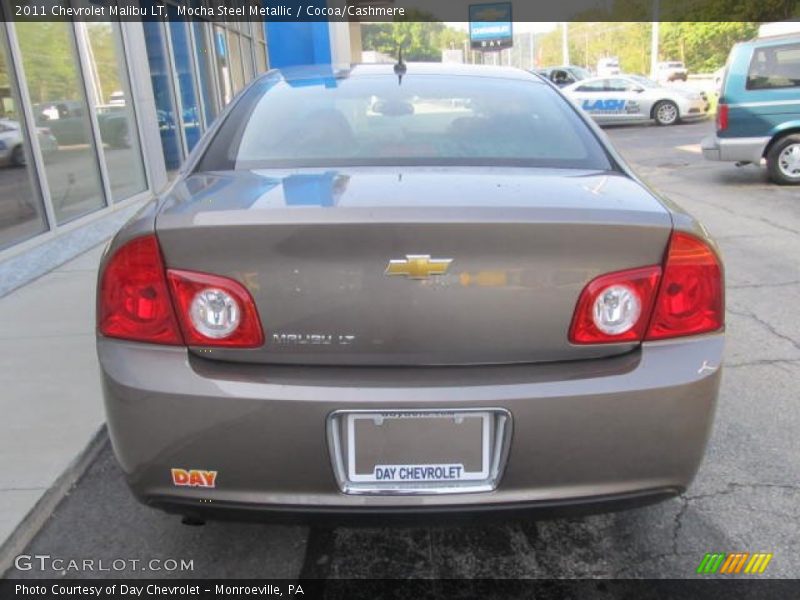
[633, 426]
[745, 149]
[542, 509]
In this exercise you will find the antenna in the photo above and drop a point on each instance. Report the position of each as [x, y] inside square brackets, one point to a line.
[400, 67]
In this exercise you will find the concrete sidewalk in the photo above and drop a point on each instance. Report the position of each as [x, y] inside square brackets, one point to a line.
[50, 402]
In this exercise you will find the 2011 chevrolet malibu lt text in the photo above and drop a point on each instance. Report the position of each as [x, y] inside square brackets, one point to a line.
[408, 289]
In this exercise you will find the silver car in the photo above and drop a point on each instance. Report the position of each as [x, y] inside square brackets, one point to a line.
[420, 289]
[632, 98]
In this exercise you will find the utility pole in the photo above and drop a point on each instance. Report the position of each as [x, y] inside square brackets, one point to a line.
[586, 49]
[532, 56]
[654, 43]
[565, 43]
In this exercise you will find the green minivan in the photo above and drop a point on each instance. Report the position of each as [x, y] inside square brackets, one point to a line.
[759, 108]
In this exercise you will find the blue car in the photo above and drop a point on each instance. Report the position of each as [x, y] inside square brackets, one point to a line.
[759, 108]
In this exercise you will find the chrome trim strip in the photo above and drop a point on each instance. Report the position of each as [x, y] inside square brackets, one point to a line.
[502, 445]
[794, 102]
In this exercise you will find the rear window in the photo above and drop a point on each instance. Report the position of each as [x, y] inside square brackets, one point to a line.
[774, 67]
[425, 120]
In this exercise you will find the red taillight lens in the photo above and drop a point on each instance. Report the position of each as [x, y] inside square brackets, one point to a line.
[691, 296]
[687, 298]
[215, 311]
[615, 307]
[133, 300]
[722, 117]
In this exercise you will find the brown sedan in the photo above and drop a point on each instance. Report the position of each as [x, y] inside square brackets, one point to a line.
[441, 292]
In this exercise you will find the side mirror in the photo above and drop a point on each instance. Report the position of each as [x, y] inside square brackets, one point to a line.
[638, 89]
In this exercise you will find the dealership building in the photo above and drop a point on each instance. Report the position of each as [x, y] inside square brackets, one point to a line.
[98, 116]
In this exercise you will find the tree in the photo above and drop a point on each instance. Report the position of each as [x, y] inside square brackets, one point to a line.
[421, 38]
[703, 46]
[49, 60]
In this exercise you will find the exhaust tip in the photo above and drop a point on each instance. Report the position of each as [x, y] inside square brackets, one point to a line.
[192, 521]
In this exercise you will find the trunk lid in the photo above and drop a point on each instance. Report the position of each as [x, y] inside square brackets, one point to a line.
[313, 247]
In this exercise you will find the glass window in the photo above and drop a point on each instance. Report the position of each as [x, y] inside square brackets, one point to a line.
[643, 81]
[182, 55]
[429, 120]
[223, 70]
[162, 91]
[618, 85]
[21, 211]
[235, 61]
[59, 105]
[204, 62]
[115, 116]
[247, 59]
[258, 30]
[775, 67]
[261, 58]
[599, 85]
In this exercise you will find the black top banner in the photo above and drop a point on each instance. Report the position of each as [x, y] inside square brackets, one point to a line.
[402, 10]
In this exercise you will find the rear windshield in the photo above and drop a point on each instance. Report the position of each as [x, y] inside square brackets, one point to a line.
[774, 67]
[425, 120]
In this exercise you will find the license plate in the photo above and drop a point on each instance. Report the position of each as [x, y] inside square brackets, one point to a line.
[418, 447]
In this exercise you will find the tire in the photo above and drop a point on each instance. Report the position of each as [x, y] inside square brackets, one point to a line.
[783, 160]
[18, 156]
[120, 138]
[666, 112]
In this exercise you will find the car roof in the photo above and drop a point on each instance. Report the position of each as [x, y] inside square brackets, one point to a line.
[307, 72]
[772, 40]
[601, 77]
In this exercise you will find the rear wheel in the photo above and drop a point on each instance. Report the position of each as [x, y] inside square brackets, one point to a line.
[18, 157]
[666, 112]
[783, 160]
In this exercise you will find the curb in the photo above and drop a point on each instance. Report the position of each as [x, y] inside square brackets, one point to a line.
[50, 499]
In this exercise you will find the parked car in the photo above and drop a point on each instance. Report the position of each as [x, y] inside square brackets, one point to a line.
[66, 120]
[758, 116]
[719, 76]
[632, 98]
[671, 71]
[117, 98]
[565, 75]
[608, 66]
[12, 151]
[470, 309]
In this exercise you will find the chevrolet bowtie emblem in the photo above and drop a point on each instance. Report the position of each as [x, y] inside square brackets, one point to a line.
[418, 266]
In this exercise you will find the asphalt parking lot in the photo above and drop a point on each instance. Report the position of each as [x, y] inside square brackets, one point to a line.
[746, 496]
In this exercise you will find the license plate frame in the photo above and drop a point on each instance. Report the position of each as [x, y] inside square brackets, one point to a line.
[495, 428]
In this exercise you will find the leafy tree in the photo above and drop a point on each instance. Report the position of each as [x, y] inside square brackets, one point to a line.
[703, 46]
[49, 60]
[421, 38]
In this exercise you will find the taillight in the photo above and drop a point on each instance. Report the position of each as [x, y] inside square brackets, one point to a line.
[140, 300]
[691, 295]
[686, 297]
[133, 300]
[214, 310]
[722, 117]
[615, 307]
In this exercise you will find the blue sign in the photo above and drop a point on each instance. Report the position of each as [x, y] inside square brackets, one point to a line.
[490, 26]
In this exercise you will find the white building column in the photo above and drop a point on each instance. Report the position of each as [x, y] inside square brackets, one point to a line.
[341, 51]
